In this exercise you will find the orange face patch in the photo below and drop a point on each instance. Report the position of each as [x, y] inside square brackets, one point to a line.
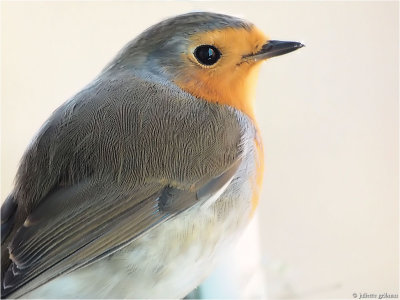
[231, 80]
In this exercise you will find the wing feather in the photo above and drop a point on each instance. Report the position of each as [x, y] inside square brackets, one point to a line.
[78, 225]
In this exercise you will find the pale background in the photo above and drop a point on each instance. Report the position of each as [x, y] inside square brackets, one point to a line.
[328, 220]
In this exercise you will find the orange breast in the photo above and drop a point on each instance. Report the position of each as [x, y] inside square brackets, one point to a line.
[259, 172]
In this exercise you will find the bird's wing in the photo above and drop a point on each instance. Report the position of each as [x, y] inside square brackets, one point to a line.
[77, 225]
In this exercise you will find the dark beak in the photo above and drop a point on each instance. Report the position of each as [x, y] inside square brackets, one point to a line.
[274, 48]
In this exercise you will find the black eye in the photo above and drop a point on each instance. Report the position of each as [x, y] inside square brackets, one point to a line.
[207, 54]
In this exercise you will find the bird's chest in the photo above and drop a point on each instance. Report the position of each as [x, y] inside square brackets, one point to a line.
[177, 256]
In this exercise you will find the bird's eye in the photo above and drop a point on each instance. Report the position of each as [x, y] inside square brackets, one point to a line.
[207, 54]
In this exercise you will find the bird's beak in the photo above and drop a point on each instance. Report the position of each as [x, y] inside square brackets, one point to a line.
[273, 48]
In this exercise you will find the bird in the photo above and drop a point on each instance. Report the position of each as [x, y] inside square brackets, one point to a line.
[135, 185]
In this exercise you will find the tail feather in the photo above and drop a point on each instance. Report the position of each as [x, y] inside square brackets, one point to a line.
[8, 212]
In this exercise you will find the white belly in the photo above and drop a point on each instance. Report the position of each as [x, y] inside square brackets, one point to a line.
[167, 262]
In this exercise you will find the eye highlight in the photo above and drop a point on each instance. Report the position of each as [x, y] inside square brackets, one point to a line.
[207, 54]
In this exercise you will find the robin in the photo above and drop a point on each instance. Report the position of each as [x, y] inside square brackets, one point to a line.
[133, 186]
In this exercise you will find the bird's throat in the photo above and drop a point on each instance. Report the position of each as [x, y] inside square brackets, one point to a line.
[236, 89]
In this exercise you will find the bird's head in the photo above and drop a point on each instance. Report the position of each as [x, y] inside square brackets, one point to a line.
[211, 56]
